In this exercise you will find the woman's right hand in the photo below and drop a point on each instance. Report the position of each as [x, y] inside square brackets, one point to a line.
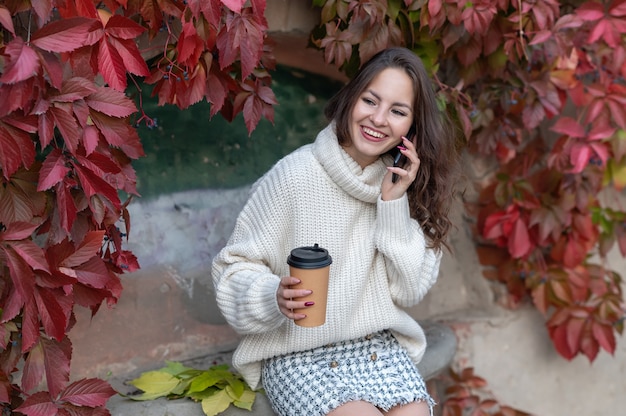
[285, 295]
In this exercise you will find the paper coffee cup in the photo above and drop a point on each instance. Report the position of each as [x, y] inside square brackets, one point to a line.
[312, 266]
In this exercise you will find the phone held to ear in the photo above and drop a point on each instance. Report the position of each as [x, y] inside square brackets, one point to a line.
[399, 158]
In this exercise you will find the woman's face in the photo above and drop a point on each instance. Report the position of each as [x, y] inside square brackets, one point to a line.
[381, 116]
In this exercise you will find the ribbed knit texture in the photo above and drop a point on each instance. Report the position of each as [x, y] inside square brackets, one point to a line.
[319, 194]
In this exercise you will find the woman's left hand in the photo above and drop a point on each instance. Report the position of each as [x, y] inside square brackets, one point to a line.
[406, 174]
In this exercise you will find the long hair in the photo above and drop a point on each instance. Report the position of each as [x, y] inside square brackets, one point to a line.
[431, 194]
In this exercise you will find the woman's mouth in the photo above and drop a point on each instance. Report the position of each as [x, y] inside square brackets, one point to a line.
[373, 134]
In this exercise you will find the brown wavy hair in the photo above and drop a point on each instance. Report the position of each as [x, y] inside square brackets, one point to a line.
[433, 191]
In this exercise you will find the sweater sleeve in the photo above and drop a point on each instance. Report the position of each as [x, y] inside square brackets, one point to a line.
[245, 271]
[412, 267]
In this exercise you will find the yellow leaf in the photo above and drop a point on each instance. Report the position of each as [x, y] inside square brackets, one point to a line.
[619, 175]
[155, 384]
[246, 400]
[217, 403]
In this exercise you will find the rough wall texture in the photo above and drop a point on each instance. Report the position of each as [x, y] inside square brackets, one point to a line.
[166, 311]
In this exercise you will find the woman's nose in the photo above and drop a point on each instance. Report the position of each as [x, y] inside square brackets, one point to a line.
[379, 117]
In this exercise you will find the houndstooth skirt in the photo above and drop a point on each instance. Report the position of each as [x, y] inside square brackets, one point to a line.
[375, 369]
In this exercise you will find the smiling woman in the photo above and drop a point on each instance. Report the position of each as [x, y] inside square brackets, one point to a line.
[381, 116]
[185, 150]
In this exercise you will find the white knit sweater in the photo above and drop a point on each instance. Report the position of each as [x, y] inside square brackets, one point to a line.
[319, 194]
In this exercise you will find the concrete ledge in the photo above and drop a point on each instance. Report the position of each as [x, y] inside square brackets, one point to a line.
[441, 349]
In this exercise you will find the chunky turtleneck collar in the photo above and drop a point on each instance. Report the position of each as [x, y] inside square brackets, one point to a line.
[363, 184]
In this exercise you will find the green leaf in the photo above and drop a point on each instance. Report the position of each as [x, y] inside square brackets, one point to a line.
[207, 379]
[235, 388]
[154, 384]
[393, 9]
[217, 403]
[198, 396]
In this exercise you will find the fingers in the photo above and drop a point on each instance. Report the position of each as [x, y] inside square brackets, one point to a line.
[409, 170]
[411, 154]
[288, 298]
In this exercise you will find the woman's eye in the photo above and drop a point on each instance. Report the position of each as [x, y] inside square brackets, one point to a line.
[368, 101]
[399, 113]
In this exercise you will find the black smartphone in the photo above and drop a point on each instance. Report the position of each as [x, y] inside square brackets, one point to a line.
[399, 158]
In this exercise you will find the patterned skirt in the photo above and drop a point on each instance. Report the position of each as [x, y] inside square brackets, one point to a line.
[375, 369]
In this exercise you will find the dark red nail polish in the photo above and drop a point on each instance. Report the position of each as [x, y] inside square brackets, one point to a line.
[309, 303]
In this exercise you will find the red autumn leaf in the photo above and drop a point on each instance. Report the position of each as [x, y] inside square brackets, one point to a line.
[5, 19]
[53, 170]
[111, 65]
[126, 261]
[469, 53]
[46, 129]
[195, 88]
[255, 101]
[21, 273]
[43, 10]
[607, 96]
[54, 311]
[91, 138]
[337, 44]
[605, 336]
[15, 205]
[66, 208]
[558, 334]
[84, 8]
[34, 368]
[94, 185]
[234, 5]
[91, 273]
[211, 10]
[74, 89]
[89, 297]
[609, 26]
[243, 37]
[113, 129]
[569, 127]
[100, 163]
[477, 17]
[111, 102]
[31, 253]
[574, 252]
[590, 347]
[131, 57]
[17, 231]
[549, 221]
[67, 35]
[22, 63]
[123, 28]
[57, 355]
[16, 149]
[190, 45]
[38, 404]
[88, 248]
[30, 325]
[217, 90]
[574, 329]
[67, 124]
[88, 392]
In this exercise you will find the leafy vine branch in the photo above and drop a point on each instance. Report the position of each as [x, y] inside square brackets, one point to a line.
[537, 87]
